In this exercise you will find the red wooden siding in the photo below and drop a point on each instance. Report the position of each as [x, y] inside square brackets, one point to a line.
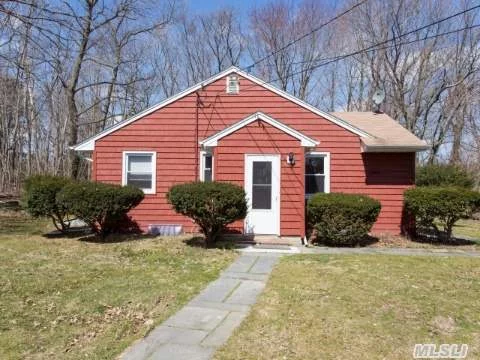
[262, 138]
[171, 133]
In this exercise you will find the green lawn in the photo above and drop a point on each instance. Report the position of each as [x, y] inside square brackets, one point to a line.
[70, 299]
[469, 228]
[361, 307]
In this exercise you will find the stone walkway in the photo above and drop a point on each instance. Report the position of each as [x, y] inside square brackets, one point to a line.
[204, 324]
[197, 330]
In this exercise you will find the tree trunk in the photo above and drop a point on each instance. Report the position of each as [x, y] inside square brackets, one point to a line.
[72, 89]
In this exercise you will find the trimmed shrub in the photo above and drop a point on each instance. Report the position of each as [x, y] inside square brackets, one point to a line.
[40, 199]
[446, 205]
[444, 175]
[102, 206]
[212, 205]
[342, 219]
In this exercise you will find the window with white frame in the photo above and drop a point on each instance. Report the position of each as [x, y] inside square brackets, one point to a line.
[317, 173]
[233, 84]
[139, 170]
[206, 168]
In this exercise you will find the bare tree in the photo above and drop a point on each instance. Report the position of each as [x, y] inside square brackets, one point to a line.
[70, 69]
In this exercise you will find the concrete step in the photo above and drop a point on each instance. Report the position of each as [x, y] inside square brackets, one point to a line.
[264, 240]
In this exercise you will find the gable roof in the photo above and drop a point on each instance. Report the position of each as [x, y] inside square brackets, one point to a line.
[213, 140]
[89, 144]
[388, 134]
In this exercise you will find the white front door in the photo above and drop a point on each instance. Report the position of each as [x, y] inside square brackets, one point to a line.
[262, 185]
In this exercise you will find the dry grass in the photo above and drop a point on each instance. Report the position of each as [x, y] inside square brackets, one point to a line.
[361, 307]
[468, 228]
[69, 299]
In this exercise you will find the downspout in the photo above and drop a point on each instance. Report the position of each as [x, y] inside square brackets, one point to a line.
[196, 137]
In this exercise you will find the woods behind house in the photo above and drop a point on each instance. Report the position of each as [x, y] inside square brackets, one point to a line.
[69, 69]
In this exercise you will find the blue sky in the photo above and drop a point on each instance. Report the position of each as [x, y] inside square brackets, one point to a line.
[243, 6]
[203, 6]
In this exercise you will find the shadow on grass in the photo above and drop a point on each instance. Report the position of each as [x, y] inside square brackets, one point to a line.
[115, 238]
[70, 233]
[365, 242]
[199, 241]
[427, 236]
[85, 234]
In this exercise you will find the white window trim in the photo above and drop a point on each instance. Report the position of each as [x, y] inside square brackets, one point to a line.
[237, 89]
[153, 189]
[326, 165]
[202, 165]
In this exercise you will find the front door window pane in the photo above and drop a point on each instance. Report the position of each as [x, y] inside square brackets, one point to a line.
[262, 185]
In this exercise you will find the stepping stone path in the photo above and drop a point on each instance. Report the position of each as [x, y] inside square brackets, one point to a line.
[204, 324]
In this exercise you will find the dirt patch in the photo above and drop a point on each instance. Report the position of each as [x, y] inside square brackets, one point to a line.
[443, 325]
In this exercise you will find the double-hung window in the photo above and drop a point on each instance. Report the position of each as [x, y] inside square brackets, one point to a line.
[317, 173]
[139, 170]
[206, 168]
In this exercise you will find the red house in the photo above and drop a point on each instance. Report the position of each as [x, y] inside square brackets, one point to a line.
[235, 127]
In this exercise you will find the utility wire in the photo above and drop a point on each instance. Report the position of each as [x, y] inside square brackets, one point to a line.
[406, 34]
[333, 59]
[375, 47]
[335, 18]
[329, 60]
[369, 49]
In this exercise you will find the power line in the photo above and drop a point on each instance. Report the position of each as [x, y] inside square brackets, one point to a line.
[368, 50]
[371, 48]
[374, 47]
[406, 34]
[307, 34]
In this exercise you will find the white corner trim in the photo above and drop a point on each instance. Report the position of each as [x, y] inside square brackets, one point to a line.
[125, 154]
[326, 155]
[89, 144]
[213, 140]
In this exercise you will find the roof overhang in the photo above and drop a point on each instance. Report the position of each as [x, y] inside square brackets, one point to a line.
[304, 140]
[392, 148]
[89, 144]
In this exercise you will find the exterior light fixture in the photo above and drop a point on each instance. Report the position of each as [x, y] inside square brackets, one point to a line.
[291, 159]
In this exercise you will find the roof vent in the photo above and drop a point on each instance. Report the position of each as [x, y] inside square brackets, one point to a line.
[233, 84]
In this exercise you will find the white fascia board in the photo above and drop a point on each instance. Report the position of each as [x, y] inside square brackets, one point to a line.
[393, 148]
[304, 140]
[90, 142]
[88, 145]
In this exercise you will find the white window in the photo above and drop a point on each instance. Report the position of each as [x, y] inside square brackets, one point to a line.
[206, 166]
[233, 84]
[317, 173]
[139, 170]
